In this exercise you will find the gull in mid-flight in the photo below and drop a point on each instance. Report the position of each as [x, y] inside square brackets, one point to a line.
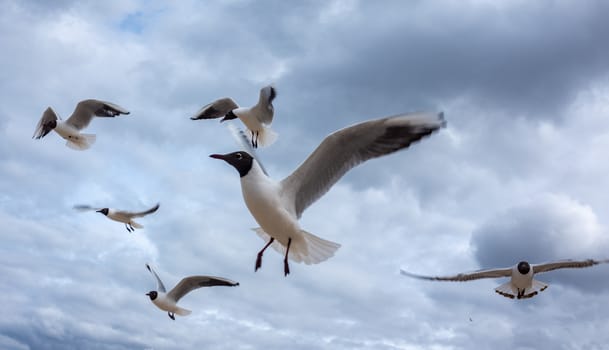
[277, 206]
[257, 119]
[168, 301]
[80, 119]
[521, 284]
[126, 217]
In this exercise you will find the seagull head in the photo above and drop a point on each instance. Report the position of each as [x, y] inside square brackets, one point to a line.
[103, 211]
[229, 116]
[524, 267]
[242, 161]
[152, 295]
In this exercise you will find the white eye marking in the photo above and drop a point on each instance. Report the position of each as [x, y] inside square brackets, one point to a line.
[239, 156]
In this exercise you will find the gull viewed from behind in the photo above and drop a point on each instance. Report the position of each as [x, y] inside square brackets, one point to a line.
[257, 118]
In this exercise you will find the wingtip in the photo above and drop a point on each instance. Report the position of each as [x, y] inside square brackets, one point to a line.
[148, 267]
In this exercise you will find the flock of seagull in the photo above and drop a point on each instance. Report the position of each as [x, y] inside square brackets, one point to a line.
[278, 205]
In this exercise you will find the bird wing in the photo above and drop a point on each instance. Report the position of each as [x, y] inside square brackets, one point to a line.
[139, 214]
[45, 125]
[159, 283]
[492, 273]
[267, 95]
[245, 143]
[85, 207]
[566, 264]
[348, 147]
[218, 108]
[87, 109]
[188, 284]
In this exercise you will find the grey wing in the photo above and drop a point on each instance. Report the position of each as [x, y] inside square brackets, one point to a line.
[267, 95]
[566, 264]
[85, 207]
[87, 109]
[188, 284]
[159, 284]
[218, 108]
[493, 273]
[346, 148]
[245, 143]
[142, 213]
[47, 122]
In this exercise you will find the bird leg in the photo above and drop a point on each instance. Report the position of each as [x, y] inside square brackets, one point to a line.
[259, 257]
[286, 267]
[171, 315]
[132, 228]
[127, 227]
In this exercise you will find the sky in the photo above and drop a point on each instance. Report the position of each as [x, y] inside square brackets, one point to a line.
[519, 173]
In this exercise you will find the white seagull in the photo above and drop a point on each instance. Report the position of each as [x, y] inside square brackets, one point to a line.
[277, 206]
[126, 217]
[168, 301]
[521, 284]
[80, 119]
[257, 119]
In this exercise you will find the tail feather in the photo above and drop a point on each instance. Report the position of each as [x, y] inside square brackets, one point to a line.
[182, 312]
[507, 290]
[136, 225]
[310, 250]
[536, 287]
[82, 143]
[266, 137]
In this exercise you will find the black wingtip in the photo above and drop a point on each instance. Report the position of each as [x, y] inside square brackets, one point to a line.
[148, 267]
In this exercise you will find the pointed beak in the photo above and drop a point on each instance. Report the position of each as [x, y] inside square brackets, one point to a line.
[98, 211]
[218, 156]
[148, 294]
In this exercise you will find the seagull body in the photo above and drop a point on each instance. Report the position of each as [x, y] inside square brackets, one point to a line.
[81, 117]
[277, 206]
[168, 301]
[126, 217]
[257, 118]
[521, 285]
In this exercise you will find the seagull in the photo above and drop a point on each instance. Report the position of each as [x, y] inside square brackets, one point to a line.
[257, 119]
[277, 206]
[521, 284]
[168, 301]
[125, 217]
[81, 117]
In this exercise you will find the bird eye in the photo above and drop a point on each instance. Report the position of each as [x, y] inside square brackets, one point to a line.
[238, 155]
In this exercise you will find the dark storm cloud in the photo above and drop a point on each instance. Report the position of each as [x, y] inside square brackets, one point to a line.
[548, 229]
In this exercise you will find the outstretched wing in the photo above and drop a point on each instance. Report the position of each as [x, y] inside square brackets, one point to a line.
[218, 108]
[159, 284]
[87, 109]
[566, 264]
[348, 147]
[47, 122]
[142, 213]
[493, 273]
[267, 95]
[188, 284]
[85, 207]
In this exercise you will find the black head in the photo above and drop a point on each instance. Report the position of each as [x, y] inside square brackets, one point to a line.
[152, 295]
[103, 211]
[242, 161]
[230, 115]
[524, 267]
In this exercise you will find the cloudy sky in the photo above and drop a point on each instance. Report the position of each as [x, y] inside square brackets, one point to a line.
[520, 172]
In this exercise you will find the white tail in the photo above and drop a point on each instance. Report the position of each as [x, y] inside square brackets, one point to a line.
[309, 250]
[507, 290]
[135, 224]
[266, 137]
[182, 312]
[83, 142]
[536, 287]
